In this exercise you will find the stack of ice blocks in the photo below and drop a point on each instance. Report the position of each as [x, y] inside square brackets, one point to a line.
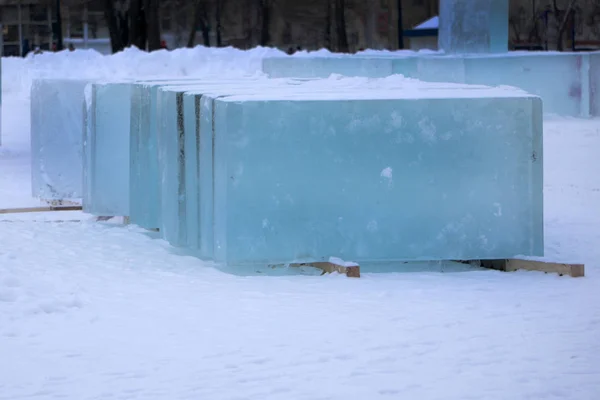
[413, 171]
[566, 82]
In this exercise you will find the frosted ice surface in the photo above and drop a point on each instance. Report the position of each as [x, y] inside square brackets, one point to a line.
[467, 26]
[199, 142]
[297, 176]
[56, 138]
[161, 169]
[556, 77]
[108, 171]
[323, 67]
[145, 190]
[572, 92]
[594, 81]
[145, 206]
[441, 69]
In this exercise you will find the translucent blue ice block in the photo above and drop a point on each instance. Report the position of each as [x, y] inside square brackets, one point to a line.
[198, 119]
[145, 193]
[109, 149]
[56, 138]
[171, 166]
[323, 67]
[468, 26]
[594, 83]
[447, 176]
[145, 205]
[441, 69]
[556, 77]
[170, 160]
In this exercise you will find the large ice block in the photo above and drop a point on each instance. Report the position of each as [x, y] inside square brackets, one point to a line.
[0, 102]
[594, 83]
[144, 184]
[198, 120]
[145, 205]
[323, 67]
[468, 26]
[441, 69]
[178, 165]
[558, 78]
[108, 172]
[56, 138]
[397, 175]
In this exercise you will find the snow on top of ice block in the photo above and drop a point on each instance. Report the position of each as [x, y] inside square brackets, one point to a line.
[201, 88]
[385, 88]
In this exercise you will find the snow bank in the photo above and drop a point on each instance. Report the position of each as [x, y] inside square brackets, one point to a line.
[17, 73]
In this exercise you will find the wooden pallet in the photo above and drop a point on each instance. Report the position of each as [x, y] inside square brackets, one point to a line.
[506, 265]
[39, 209]
[509, 265]
[329, 267]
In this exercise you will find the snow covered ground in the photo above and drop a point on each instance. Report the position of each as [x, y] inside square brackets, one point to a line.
[99, 311]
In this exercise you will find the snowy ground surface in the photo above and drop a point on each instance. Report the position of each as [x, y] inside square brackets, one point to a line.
[100, 311]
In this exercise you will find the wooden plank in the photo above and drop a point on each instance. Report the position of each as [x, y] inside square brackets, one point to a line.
[39, 209]
[329, 267]
[509, 265]
[61, 202]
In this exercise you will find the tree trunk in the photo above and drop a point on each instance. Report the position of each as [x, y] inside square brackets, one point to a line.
[205, 30]
[59, 34]
[195, 24]
[137, 24]
[153, 24]
[328, 41]
[400, 26]
[265, 31]
[218, 20]
[200, 21]
[563, 24]
[114, 27]
[340, 19]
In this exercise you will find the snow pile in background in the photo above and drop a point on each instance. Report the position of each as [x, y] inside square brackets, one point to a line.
[17, 73]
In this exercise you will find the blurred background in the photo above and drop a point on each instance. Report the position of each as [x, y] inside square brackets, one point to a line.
[291, 25]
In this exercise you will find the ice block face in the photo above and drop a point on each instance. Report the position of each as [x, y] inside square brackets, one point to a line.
[56, 138]
[594, 82]
[441, 69]
[109, 149]
[532, 73]
[468, 26]
[145, 189]
[0, 104]
[323, 67]
[429, 177]
[171, 166]
[145, 204]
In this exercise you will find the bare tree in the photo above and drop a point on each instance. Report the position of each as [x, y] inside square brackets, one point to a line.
[340, 23]
[133, 22]
[153, 24]
[400, 26]
[265, 17]
[115, 13]
[137, 25]
[563, 24]
[328, 23]
[199, 21]
[218, 21]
